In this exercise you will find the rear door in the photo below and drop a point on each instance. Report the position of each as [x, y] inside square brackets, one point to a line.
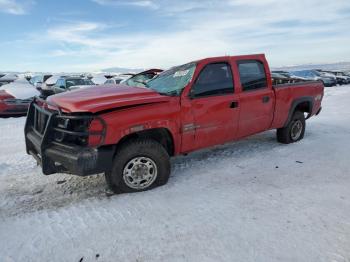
[214, 105]
[256, 98]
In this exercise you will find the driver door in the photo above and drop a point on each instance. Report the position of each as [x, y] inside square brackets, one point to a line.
[214, 105]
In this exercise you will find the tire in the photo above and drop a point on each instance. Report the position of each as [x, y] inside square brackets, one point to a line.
[294, 131]
[139, 161]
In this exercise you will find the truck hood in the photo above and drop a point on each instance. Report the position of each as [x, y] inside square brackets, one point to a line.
[100, 98]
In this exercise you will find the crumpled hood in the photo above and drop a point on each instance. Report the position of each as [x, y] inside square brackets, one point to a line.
[100, 98]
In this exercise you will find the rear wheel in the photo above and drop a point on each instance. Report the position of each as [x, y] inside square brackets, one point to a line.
[139, 165]
[294, 131]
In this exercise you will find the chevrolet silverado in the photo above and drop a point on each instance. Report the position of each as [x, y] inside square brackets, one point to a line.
[130, 133]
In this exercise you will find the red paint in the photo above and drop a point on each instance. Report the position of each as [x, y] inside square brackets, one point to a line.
[193, 123]
[96, 99]
[11, 109]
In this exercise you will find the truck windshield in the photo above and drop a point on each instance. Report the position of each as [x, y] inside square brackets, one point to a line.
[172, 81]
[139, 80]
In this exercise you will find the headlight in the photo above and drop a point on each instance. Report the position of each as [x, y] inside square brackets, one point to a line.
[72, 131]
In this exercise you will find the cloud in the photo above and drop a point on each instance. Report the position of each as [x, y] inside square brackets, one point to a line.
[136, 3]
[15, 8]
[289, 33]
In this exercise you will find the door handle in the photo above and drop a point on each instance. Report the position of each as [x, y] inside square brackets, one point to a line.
[265, 99]
[234, 104]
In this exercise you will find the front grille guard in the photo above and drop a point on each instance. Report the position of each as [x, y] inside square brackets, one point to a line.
[42, 121]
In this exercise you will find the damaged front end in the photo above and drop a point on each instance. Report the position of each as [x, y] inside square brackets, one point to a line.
[66, 143]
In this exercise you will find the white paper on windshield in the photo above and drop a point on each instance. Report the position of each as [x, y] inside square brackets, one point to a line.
[181, 73]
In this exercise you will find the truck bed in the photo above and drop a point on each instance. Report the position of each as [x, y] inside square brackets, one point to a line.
[310, 92]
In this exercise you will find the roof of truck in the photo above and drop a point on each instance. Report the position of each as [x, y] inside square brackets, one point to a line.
[243, 57]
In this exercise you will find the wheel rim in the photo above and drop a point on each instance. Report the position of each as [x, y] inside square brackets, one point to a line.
[296, 130]
[140, 172]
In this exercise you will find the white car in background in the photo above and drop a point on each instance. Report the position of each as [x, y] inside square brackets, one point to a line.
[117, 79]
[39, 81]
[141, 79]
[343, 76]
[7, 78]
[15, 97]
[46, 88]
[98, 79]
[112, 81]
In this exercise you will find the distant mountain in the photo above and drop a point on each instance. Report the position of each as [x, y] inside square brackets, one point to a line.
[121, 70]
[331, 66]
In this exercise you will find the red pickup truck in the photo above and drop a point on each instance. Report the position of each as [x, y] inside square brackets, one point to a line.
[129, 133]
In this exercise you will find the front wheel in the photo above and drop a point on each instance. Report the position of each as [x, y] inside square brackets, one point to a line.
[294, 131]
[139, 165]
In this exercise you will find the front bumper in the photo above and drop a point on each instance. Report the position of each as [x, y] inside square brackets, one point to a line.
[57, 157]
[81, 161]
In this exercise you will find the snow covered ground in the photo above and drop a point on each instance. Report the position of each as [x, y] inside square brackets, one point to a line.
[253, 200]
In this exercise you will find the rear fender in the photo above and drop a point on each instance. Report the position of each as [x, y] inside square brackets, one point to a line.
[305, 103]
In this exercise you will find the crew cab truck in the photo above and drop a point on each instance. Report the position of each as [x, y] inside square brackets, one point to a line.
[129, 133]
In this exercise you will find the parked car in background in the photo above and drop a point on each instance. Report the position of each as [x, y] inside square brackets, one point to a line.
[123, 77]
[339, 80]
[130, 133]
[15, 97]
[316, 76]
[342, 75]
[47, 87]
[278, 78]
[289, 75]
[98, 79]
[39, 81]
[284, 73]
[1, 75]
[283, 77]
[68, 83]
[113, 81]
[8, 78]
[140, 79]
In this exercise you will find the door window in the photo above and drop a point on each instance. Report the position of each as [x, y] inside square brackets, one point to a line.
[214, 79]
[252, 75]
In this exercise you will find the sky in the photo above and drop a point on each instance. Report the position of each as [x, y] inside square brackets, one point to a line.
[91, 35]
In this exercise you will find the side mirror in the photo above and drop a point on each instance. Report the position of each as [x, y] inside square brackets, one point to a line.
[192, 93]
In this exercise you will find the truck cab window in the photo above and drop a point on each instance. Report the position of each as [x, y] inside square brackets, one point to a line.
[252, 75]
[214, 79]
